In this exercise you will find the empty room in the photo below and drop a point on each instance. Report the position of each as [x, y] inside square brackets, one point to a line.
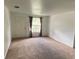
[39, 29]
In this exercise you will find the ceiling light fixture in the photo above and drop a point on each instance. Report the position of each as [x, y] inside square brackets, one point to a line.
[16, 6]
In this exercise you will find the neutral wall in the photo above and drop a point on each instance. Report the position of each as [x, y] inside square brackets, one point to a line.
[20, 25]
[62, 27]
[7, 35]
[45, 25]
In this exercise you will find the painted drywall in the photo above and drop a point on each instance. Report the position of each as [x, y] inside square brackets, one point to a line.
[7, 34]
[20, 25]
[61, 27]
[45, 25]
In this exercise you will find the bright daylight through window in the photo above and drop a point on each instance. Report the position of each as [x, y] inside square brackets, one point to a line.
[36, 25]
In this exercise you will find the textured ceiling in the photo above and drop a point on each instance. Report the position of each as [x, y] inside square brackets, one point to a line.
[41, 7]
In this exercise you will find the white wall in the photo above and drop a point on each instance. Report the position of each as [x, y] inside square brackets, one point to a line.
[7, 35]
[20, 25]
[62, 27]
[45, 25]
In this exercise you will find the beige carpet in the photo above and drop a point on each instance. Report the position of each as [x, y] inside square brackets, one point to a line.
[39, 48]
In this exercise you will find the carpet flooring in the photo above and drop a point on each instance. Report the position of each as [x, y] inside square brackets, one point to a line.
[39, 48]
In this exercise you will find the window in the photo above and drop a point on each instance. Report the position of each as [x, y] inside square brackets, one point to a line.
[36, 25]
